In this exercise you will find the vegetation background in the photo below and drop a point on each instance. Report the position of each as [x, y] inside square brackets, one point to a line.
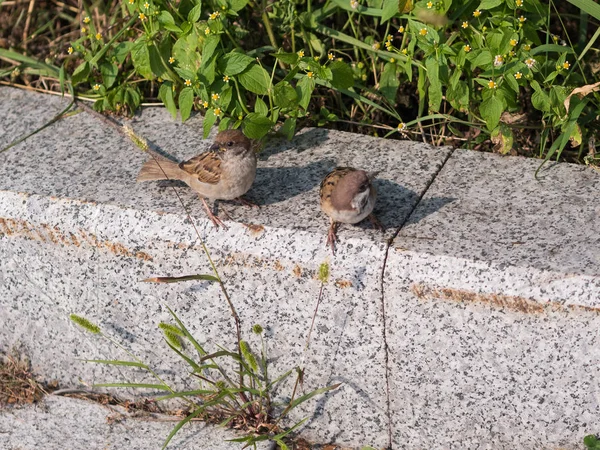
[511, 76]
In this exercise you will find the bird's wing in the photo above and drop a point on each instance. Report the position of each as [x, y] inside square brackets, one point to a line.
[206, 167]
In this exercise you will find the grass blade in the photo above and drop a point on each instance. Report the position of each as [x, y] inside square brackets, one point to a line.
[180, 424]
[179, 279]
[160, 387]
[115, 362]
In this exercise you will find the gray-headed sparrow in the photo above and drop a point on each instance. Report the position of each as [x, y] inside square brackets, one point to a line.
[347, 196]
[225, 172]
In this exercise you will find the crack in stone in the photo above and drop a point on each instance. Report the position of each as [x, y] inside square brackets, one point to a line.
[387, 249]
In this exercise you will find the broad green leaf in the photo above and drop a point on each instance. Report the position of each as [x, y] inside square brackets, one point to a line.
[122, 50]
[342, 76]
[288, 58]
[484, 58]
[539, 99]
[289, 128]
[489, 4]
[165, 93]
[551, 48]
[140, 56]
[491, 110]
[435, 86]
[256, 125]
[305, 88]
[284, 95]
[237, 5]
[81, 73]
[234, 63]
[389, 82]
[512, 82]
[389, 10]
[209, 120]
[186, 101]
[209, 47]
[184, 52]
[261, 107]
[503, 139]
[166, 20]
[255, 79]
[194, 13]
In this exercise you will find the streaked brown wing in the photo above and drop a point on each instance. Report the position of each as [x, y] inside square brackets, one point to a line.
[331, 180]
[206, 167]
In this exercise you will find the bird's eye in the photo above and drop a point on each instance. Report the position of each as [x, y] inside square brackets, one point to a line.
[363, 187]
[230, 144]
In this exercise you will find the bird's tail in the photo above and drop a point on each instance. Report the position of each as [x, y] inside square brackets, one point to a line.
[159, 169]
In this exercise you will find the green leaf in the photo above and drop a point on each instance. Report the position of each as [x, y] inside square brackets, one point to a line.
[491, 110]
[81, 73]
[161, 387]
[552, 48]
[208, 48]
[165, 93]
[305, 88]
[590, 441]
[289, 128]
[342, 76]
[209, 120]
[390, 9]
[261, 107]
[255, 79]
[489, 4]
[589, 6]
[539, 99]
[234, 63]
[194, 13]
[237, 5]
[140, 56]
[484, 58]
[284, 95]
[389, 82]
[435, 86]
[115, 362]
[166, 20]
[61, 78]
[256, 125]
[184, 52]
[288, 58]
[512, 82]
[186, 101]
[109, 73]
[502, 136]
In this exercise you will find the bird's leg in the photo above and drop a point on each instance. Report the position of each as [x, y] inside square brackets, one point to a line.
[215, 220]
[331, 235]
[375, 221]
[246, 202]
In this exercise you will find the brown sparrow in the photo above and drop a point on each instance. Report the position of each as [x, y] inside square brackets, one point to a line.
[347, 196]
[225, 172]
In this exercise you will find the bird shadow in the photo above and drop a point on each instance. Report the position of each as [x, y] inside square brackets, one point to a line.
[277, 184]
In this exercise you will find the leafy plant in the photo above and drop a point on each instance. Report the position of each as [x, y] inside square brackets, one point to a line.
[591, 442]
[242, 400]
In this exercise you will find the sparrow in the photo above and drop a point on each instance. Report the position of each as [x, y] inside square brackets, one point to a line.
[225, 172]
[347, 196]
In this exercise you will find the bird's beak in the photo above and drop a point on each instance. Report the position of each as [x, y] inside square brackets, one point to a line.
[372, 175]
[215, 147]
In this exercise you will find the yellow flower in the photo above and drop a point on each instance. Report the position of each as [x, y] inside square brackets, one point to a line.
[131, 2]
[566, 65]
[188, 82]
[511, 53]
[160, 80]
[207, 31]
[389, 37]
[83, 30]
[401, 126]
[498, 60]
[330, 56]
[98, 36]
[376, 45]
[388, 46]
[465, 24]
[518, 75]
[483, 29]
[171, 60]
[522, 19]
[86, 19]
[214, 15]
[217, 112]
[205, 104]
[96, 87]
[301, 53]
[555, 38]
[514, 42]
[404, 51]
[519, 2]
[353, 4]
[226, 79]
[423, 31]
[310, 74]
[215, 97]
[527, 47]
[142, 16]
[363, 77]
[492, 84]
[467, 48]
[146, 5]
[401, 29]
[530, 62]
[70, 50]
[316, 58]
[173, 88]
[429, 5]
[476, 13]
[392, 60]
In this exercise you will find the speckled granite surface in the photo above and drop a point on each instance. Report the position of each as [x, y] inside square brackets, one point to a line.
[467, 329]
[62, 423]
